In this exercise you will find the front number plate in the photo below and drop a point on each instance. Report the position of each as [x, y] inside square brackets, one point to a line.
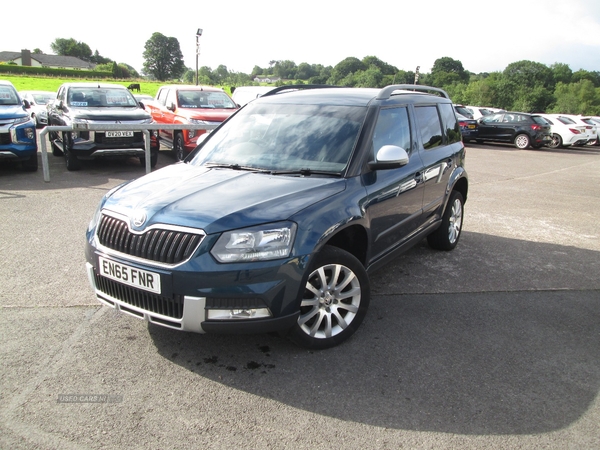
[142, 279]
[117, 134]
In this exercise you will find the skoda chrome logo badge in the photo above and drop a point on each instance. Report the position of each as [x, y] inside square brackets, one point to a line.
[138, 219]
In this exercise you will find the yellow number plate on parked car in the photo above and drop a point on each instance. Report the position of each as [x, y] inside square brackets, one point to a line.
[119, 134]
[142, 279]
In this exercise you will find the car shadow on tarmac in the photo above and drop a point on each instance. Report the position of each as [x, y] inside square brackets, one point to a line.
[468, 351]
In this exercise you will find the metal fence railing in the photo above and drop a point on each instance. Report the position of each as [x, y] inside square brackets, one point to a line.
[146, 128]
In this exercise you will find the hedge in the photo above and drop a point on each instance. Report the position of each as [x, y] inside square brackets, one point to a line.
[27, 70]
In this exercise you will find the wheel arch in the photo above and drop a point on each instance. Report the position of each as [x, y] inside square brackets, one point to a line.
[352, 239]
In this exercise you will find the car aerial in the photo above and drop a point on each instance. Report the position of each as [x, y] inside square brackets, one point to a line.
[244, 94]
[275, 220]
[566, 132]
[188, 104]
[521, 129]
[82, 104]
[18, 138]
[468, 128]
[38, 100]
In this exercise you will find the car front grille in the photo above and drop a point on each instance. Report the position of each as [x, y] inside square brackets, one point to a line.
[166, 306]
[156, 244]
[5, 138]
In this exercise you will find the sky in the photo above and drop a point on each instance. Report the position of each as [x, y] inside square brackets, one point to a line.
[483, 36]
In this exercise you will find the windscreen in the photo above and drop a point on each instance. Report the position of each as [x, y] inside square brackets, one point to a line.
[100, 97]
[285, 137]
[8, 96]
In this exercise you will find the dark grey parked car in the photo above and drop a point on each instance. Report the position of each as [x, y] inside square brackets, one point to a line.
[521, 129]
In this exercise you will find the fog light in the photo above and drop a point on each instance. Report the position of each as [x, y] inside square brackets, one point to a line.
[235, 314]
[30, 133]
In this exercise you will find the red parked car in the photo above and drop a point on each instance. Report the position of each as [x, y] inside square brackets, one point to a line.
[183, 104]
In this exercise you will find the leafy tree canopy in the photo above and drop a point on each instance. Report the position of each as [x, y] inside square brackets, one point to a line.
[163, 57]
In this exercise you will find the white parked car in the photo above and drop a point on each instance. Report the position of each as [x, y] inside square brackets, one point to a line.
[479, 111]
[38, 100]
[244, 94]
[566, 131]
[593, 122]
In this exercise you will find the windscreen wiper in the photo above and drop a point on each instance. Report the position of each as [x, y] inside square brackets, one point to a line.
[235, 167]
[305, 172]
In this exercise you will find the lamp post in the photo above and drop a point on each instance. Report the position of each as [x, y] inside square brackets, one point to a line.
[198, 34]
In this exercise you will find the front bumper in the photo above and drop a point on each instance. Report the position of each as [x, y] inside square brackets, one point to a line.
[203, 296]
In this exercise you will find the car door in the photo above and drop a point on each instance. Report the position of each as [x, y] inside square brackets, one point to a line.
[165, 98]
[394, 196]
[440, 139]
[489, 127]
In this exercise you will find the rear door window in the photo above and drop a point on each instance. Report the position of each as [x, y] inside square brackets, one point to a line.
[429, 125]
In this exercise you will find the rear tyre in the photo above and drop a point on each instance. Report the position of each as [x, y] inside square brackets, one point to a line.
[334, 302]
[556, 141]
[447, 235]
[178, 149]
[522, 141]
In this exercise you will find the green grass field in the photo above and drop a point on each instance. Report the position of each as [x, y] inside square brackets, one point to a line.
[52, 84]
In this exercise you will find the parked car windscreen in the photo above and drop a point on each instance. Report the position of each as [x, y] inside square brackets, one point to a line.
[204, 99]
[100, 97]
[42, 99]
[285, 137]
[8, 96]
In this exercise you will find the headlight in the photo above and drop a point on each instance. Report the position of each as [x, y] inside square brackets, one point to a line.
[19, 120]
[263, 243]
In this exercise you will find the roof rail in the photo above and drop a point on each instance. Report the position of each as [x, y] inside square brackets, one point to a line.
[297, 87]
[386, 92]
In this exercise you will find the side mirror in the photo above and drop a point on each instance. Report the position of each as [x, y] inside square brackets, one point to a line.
[142, 105]
[389, 157]
[26, 104]
[171, 106]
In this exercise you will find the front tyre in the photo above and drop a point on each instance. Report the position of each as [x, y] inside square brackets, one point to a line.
[335, 300]
[522, 141]
[447, 235]
[178, 149]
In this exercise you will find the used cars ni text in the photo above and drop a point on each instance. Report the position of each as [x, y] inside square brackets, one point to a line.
[276, 219]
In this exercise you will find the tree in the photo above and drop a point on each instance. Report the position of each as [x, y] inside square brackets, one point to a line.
[344, 68]
[446, 71]
[163, 57]
[562, 73]
[285, 69]
[577, 98]
[70, 47]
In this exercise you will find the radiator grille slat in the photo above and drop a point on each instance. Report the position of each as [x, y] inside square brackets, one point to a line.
[165, 306]
[160, 245]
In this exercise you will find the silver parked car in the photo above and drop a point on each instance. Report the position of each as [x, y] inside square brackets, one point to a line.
[38, 101]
